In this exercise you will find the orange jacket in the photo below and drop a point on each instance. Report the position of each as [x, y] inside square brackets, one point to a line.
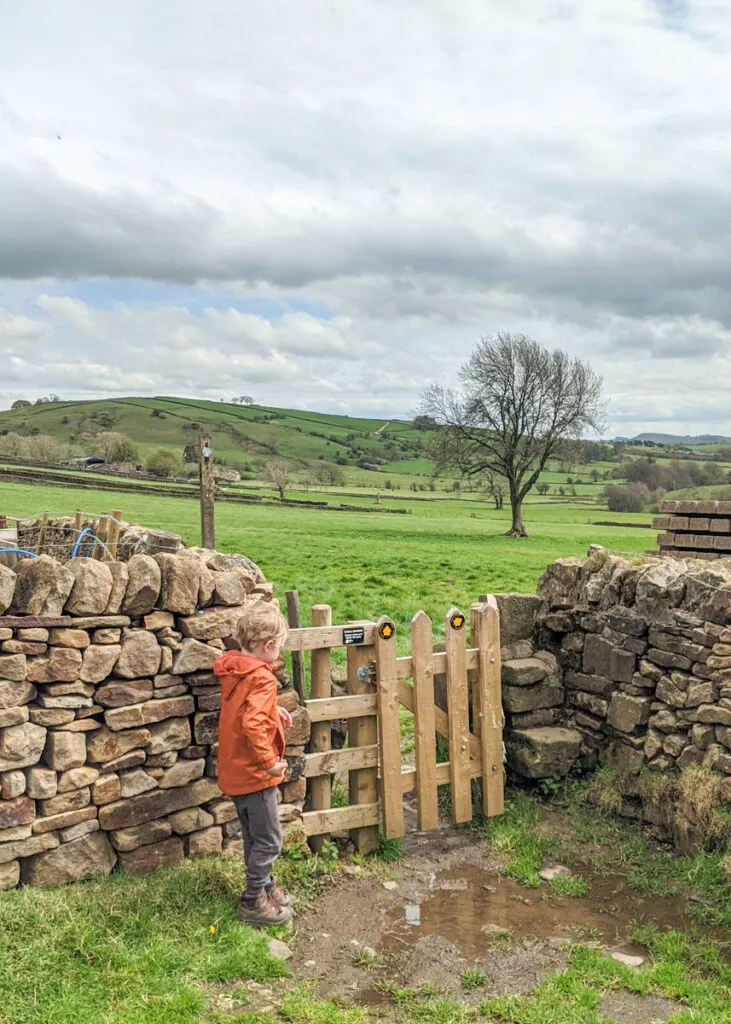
[250, 731]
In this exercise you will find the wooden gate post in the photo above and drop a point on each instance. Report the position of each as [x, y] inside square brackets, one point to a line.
[459, 716]
[485, 620]
[392, 798]
[298, 658]
[362, 732]
[320, 740]
[422, 655]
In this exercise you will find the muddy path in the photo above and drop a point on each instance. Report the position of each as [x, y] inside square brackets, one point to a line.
[447, 918]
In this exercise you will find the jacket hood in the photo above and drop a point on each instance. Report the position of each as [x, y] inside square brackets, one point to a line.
[234, 663]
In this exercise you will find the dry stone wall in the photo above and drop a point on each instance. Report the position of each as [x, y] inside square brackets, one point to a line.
[620, 662]
[109, 714]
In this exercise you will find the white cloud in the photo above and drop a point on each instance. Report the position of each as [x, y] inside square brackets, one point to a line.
[428, 172]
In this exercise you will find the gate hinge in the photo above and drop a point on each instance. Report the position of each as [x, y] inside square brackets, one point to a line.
[366, 673]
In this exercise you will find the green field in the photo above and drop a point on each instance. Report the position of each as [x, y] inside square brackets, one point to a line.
[365, 565]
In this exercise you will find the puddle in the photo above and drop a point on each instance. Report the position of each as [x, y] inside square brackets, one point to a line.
[438, 923]
[473, 909]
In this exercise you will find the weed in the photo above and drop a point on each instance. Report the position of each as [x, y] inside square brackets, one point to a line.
[390, 850]
[475, 977]
[571, 885]
[367, 960]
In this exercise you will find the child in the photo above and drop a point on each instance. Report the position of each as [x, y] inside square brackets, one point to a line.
[251, 756]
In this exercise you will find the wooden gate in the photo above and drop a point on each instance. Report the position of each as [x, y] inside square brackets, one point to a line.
[378, 683]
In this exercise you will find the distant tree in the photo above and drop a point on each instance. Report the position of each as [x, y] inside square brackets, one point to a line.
[328, 474]
[45, 448]
[626, 499]
[543, 488]
[163, 462]
[595, 474]
[518, 404]
[570, 454]
[14, 445]
[20, 403]
[424, 423]
[47, 400]
[115, 447]
[495, 487]
[280, 474]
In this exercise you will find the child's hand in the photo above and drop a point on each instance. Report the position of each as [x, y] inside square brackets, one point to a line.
[277, 769]
[286, 718]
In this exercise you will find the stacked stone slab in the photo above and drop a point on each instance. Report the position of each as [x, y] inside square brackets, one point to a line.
[695, 529]
[644, 650]
[109, 714]
[538, 743]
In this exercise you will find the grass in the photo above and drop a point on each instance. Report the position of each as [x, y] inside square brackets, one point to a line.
[126, 950]
[516, 836]
[366, 565]
[475, 977]
[570, 885]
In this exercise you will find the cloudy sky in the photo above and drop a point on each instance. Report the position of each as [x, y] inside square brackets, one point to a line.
[324, 203]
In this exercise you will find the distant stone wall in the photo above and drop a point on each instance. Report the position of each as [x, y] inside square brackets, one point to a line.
[109, 714]
[619, 662]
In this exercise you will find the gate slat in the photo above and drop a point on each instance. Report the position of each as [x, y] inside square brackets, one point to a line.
[459, 720]
[363, 732]
[424, 722]
[389, 732]
[486, 635]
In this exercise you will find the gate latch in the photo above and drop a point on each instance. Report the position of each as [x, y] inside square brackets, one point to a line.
[366, 674]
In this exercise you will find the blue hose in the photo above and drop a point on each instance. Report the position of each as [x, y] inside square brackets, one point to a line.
[17, 551]
[77, 545]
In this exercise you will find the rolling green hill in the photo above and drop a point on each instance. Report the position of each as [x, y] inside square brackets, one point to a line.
[243, 436]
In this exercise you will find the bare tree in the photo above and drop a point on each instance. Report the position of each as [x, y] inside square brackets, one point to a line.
[495, 487]
[280, 474]
[543, 488]
[328, 474]
[516, 404]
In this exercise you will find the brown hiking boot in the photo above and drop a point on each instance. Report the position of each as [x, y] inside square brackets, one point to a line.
[262, 912]
[278, 895]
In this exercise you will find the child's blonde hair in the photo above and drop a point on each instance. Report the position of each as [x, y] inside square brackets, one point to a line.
[259, 623]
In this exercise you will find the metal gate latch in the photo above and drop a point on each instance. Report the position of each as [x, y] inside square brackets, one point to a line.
[366, 674]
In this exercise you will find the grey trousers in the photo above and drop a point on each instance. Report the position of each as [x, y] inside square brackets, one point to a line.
[262, 835]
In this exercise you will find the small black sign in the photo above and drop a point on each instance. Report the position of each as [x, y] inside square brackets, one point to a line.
[353, 635]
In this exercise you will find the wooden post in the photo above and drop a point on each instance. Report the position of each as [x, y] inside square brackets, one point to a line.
[208, 528]
[42, 532]
[320, 788]
[298, 658]
[389, 733]
[79, 521]
[486, 637]
[424, 724]
[102, 528]
[113, 533]
[459, 716]
[362, 732]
